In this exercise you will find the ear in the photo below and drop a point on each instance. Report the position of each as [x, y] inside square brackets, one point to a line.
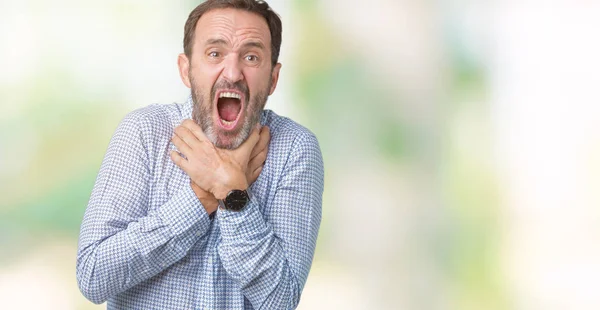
[274, 78]
[184, 69]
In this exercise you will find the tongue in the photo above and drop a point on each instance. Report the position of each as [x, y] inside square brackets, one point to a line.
[228, 108]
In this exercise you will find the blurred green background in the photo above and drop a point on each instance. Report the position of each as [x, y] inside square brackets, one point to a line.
[461, 143]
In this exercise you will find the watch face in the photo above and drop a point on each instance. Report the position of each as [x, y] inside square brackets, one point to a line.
[236, 200]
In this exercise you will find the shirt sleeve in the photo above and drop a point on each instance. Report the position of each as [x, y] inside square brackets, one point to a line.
[121, 243]
[270, 254]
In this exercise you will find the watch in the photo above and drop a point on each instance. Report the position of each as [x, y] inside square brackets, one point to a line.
[235, 200]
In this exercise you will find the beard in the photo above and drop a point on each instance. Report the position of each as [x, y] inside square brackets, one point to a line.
[202, 113]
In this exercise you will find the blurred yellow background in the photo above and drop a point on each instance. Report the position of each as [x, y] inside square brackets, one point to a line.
[461, 142]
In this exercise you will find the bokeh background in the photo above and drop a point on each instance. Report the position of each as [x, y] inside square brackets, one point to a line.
[461, 141]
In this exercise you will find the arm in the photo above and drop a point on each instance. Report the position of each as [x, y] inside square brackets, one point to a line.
[270, 255]
[122, 244]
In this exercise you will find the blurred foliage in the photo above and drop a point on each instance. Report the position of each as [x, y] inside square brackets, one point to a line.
[348, 111]
[342, 103]
[61, 123]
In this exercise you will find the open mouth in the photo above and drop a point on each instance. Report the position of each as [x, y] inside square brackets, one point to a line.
[229, 108]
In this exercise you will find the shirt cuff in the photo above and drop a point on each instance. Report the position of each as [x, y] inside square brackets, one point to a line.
[185, 215]
[245, 223]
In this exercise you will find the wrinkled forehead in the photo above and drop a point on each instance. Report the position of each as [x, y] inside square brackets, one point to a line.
[232, 25]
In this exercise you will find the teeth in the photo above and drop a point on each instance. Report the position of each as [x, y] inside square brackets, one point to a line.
[226, 123]
[229, 95]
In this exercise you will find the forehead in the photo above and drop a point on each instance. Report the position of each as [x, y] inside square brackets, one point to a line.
[232, 24]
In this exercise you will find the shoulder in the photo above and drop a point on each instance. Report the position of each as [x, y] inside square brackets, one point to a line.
[292, 143]
[153, 121]
[152, 117]
[286, 131]
[294, 152]
[149, 127]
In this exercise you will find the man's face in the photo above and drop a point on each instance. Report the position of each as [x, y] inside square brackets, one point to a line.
[230, 74]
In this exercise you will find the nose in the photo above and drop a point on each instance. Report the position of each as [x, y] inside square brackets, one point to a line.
[232, 70]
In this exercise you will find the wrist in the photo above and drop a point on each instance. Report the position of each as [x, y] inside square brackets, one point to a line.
[236, 200]
[210, 205]
[238, 182]
[207, 200]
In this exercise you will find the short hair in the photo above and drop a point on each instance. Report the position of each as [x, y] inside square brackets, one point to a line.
[261, 8]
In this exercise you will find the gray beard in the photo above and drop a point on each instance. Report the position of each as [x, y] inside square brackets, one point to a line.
[202, 114]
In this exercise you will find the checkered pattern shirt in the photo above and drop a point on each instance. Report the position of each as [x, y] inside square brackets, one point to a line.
[146, 241]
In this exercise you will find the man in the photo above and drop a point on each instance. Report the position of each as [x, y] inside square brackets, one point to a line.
[214, 203]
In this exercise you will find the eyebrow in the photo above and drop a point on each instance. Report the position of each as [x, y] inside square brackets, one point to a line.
[216, 42]
[256, 44]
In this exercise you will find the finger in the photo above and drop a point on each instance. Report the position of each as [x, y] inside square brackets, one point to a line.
[187, 136]
[178, 160]
[243, 152]
[195, 129]
[263, 141]
[181, 146]
[256, 174]
[257, 161]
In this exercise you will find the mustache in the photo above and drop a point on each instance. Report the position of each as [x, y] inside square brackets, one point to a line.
[223, 84]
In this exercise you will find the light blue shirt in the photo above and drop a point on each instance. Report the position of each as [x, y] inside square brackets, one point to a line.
[146, 242]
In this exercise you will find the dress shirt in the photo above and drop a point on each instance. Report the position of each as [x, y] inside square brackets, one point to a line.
[146, 241]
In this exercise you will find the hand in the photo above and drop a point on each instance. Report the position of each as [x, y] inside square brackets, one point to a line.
[213, 170]
[257, 160]
[258, 155]
[208, 200]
